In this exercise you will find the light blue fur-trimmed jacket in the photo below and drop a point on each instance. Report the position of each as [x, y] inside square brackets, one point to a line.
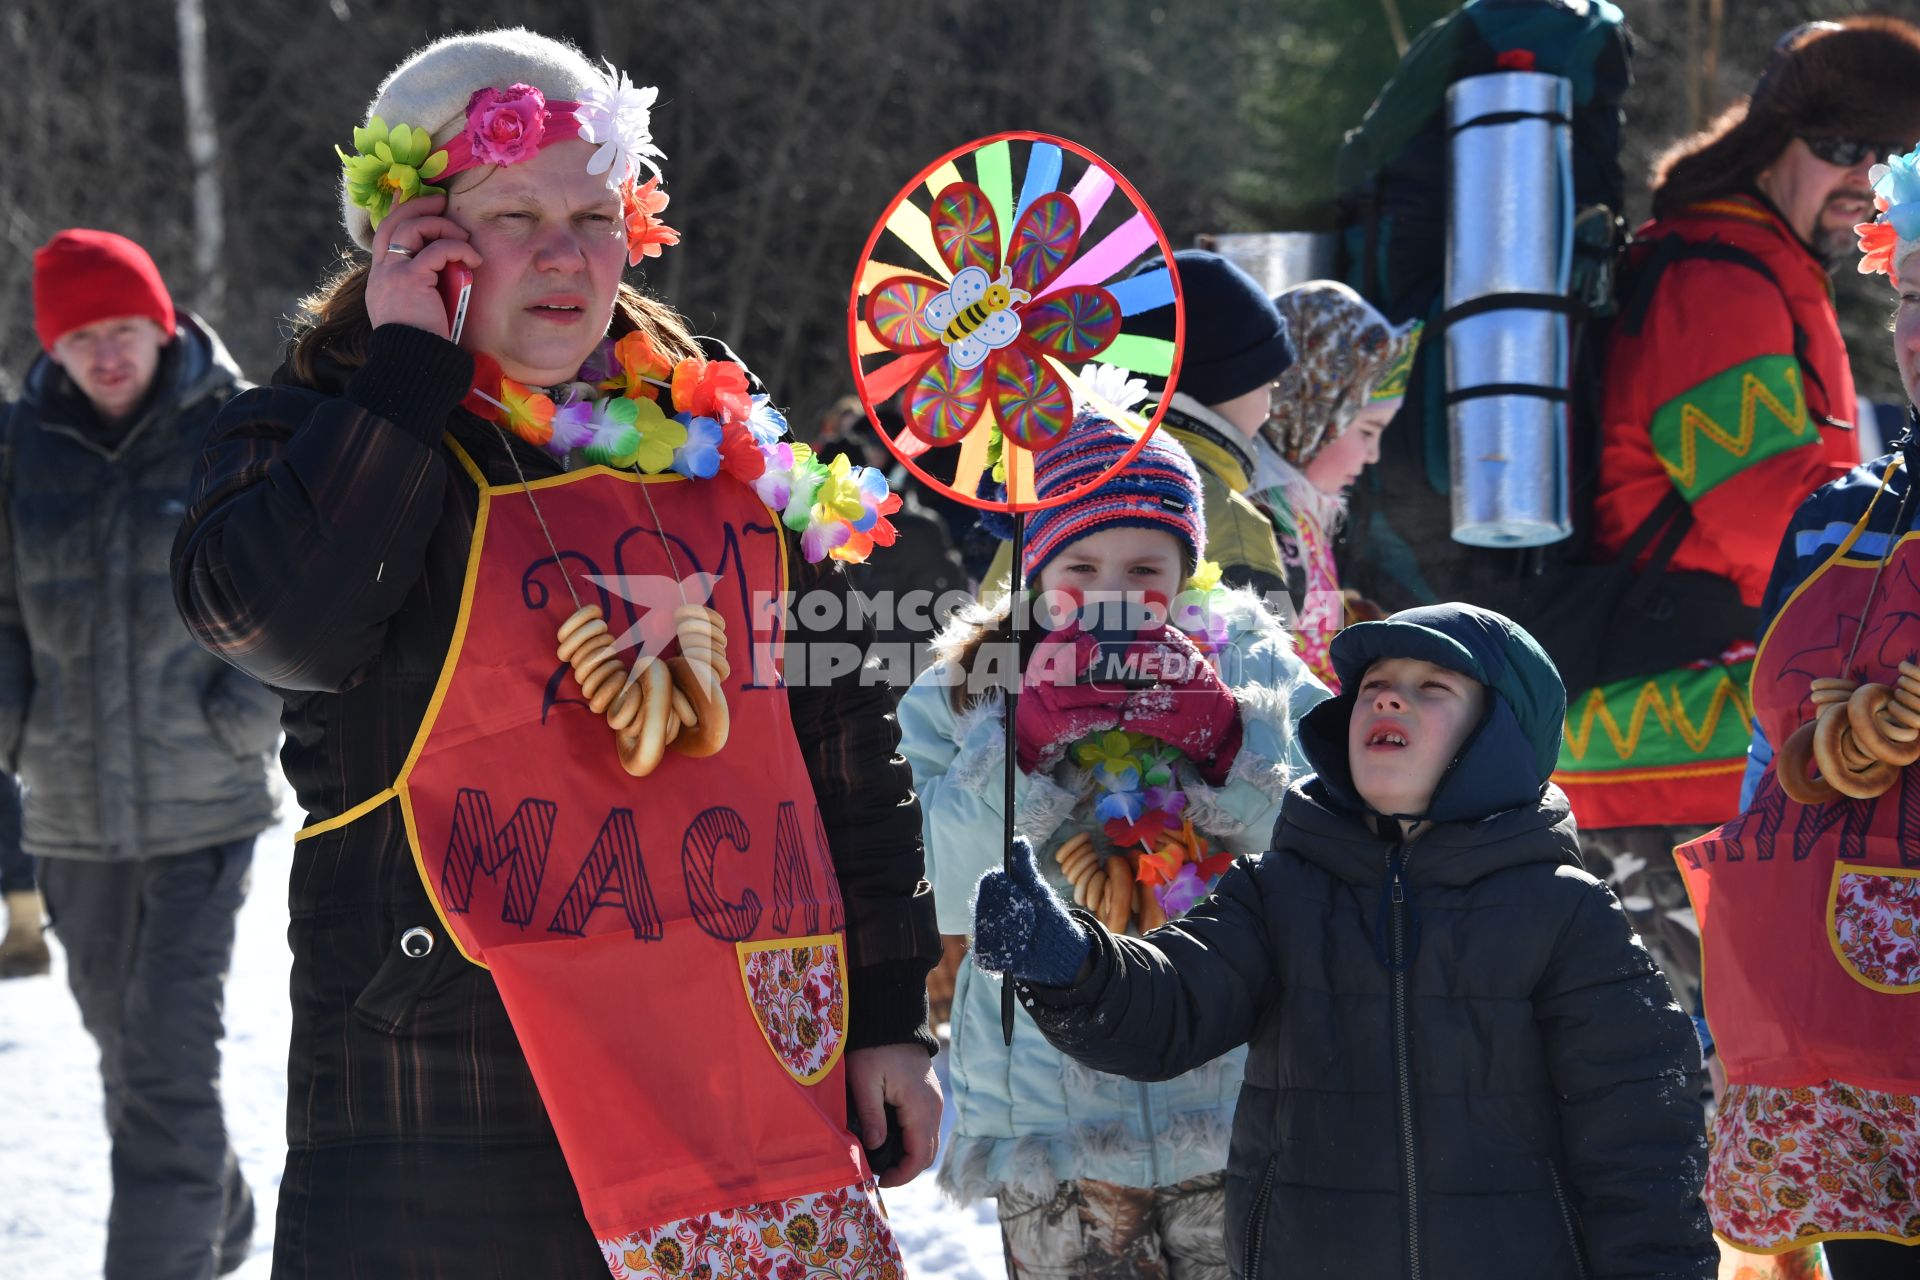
[1027, 1116]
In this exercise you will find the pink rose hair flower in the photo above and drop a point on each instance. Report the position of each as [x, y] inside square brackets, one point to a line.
[505, 126]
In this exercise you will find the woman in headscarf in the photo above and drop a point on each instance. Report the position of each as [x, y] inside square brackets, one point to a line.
[1329, 410]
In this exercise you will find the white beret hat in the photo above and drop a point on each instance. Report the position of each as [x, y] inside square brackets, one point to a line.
[431, 88]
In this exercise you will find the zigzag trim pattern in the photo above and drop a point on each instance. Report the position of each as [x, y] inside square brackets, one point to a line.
[1753, 393]
[1670, 711]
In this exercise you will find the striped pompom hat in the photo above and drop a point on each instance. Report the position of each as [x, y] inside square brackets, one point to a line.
[1159, 489]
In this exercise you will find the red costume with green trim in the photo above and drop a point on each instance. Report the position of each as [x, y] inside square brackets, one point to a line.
[1737, 391]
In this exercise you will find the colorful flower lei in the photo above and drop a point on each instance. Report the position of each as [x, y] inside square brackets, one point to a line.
[1142, 806]
[708, 423]
[507, 126]
[1142, 809]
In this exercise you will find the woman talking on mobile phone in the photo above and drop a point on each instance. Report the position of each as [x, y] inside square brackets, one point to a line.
[608, 922]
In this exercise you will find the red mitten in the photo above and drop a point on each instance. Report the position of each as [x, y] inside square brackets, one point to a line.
[1056, 708]
[1188, 706]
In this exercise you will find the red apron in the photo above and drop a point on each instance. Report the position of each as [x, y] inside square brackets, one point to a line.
[1808, 915]
[670, 948]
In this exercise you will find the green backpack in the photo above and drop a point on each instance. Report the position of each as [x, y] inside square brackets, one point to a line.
[1392, 172]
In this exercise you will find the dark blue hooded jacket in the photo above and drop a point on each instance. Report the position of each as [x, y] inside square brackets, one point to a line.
[1463, 1064]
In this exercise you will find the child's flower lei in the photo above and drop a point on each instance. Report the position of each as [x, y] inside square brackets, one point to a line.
[706, 423]
[1142, 806]
[1142, 809]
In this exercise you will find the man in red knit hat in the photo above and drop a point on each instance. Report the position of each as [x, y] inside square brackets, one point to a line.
[144, 758]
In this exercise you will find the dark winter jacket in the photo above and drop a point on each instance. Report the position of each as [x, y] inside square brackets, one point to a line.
[325, 551]
[1463, 1063]
[133, 741]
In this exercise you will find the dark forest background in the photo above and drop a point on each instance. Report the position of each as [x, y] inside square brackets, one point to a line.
[788, 126]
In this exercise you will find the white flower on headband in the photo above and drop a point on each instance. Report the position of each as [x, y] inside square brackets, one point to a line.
[1111, 383]
[618, 120]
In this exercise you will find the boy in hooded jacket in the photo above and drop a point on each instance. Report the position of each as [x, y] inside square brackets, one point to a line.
[1463, 1063]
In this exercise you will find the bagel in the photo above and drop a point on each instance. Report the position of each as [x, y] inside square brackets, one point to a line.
[1790, 768]
[625, 709]
[1866, 715]
[1828, 690]
[1905, 706]
[683, 710]
[584, 649]
[590, 654]
[1880, 728]
[708, 733]
[581, 617]
[1077, 864]
[1830, 756]
[1117, 907]
[571, 645]
[604, 684]
[1091, 891]
[1147, 907]
[642, 745]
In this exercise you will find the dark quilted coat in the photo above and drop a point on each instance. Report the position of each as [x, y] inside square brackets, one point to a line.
[1463, 1062]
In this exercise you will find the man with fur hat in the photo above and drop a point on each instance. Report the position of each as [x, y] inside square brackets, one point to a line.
[144, 756]
[1728, 398]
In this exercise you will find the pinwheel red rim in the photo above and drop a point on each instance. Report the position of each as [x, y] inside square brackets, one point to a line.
[916, 183]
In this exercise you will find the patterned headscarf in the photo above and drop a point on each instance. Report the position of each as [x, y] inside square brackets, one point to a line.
[1345, 353]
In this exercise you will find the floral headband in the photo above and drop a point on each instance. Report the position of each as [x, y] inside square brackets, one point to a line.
[1889, 238]
[394, 164]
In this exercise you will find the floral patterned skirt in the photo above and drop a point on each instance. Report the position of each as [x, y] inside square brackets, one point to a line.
[1790, 1166]
[832, 1235]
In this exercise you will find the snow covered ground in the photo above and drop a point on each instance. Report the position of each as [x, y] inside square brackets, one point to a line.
[53, 1147]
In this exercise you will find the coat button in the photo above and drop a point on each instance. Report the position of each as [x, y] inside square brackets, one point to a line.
[416, 942]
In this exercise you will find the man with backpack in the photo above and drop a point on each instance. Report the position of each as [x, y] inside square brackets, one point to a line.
[1726, 398]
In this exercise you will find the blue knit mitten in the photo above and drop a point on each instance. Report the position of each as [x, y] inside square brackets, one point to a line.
[1020, 927]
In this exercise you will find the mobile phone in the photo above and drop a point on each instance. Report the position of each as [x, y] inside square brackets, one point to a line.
[892, 1149]
[456, 287]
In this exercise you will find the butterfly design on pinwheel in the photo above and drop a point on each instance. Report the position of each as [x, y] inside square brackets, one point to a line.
[987, 335]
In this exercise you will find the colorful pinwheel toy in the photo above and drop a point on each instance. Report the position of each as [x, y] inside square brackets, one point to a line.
[994, 339]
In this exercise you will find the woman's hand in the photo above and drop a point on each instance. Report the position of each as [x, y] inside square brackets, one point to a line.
[413, 245]
[901, 1074]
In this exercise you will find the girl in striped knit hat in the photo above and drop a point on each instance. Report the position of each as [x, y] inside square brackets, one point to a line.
[1147, 761]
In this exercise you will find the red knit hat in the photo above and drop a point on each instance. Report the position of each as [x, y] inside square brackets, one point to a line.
[82, 276]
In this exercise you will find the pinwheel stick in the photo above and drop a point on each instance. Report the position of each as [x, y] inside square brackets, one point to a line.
[1013, 695]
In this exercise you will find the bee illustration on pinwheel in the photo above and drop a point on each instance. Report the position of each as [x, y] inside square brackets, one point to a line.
[989, 334]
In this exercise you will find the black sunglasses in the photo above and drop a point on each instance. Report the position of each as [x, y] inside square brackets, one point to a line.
[1848, 152]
